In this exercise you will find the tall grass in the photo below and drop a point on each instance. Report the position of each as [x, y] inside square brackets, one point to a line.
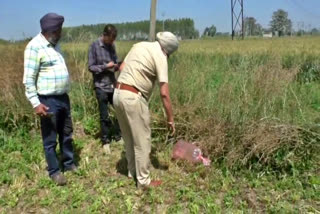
[15, 109]
[244, 102]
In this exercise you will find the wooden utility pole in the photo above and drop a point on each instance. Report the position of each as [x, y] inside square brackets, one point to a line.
[152, 33]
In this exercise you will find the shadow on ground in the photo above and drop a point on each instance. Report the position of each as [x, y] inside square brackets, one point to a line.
[122, 163]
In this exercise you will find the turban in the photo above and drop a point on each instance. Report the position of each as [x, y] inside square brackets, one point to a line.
[168, 41]
[51, 22]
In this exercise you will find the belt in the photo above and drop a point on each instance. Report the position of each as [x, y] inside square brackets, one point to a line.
[53, 95]
[123, 86]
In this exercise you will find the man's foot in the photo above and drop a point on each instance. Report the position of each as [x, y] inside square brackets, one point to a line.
[129, 175]
[117, 138]
[59, 179]
[72, 168]
[153, 183]
[120, 141]
[106, 149]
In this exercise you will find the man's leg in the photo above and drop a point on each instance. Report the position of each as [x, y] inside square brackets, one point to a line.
[49, 135]
[105, 121]
[126, 132]
[117, 130]
[65, 130]
[140, 123]
[136, 113]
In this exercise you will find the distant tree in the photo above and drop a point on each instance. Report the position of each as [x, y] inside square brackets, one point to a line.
[2, 41]
[281, 23]
[251, 27]
[210, 31]
[184, 28]
[223, 34]
[315, 31]
[266, 30]
[300, 33]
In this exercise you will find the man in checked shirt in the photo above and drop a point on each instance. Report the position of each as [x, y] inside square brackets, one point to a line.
[102, 64]
[46, 81]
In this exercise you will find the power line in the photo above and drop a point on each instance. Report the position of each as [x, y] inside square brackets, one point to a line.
[302, 8]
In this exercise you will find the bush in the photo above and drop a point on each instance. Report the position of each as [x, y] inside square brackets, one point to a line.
[309, 70]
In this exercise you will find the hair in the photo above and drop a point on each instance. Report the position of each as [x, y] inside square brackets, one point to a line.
[110, 30]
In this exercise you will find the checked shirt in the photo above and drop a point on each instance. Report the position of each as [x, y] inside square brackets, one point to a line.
[45, 71]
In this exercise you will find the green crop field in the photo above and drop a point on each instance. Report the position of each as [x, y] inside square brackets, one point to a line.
[253, 107]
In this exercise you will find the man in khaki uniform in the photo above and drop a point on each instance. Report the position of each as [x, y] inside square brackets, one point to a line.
[145, 64]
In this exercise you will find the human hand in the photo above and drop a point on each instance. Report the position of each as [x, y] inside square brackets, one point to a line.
[171, 127]
[116, 67]
[110, 64]
[41, 110]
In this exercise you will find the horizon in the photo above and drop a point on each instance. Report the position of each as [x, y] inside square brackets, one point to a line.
[23, 22]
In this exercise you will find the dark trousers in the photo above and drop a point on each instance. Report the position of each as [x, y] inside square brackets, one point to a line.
[104, 99]
[57, 124]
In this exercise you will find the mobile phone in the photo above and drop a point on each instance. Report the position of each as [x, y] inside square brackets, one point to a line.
[50, 114]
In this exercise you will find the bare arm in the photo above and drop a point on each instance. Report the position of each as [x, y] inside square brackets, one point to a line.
[165, 97]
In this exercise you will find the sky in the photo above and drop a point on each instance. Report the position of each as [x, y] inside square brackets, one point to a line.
[20, 18]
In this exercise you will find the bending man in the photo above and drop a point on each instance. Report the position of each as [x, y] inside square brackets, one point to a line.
[145, 64]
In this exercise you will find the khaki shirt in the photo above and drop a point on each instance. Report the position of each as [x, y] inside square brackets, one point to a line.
[144, 64]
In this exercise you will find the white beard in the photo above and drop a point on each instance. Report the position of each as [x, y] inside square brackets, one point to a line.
[53, 40]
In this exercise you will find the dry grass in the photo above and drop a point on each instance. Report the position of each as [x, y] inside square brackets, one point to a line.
[11, 71]
[224, 100]
[236, 100]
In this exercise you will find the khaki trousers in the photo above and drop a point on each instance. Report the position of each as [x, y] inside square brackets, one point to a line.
[134, 119]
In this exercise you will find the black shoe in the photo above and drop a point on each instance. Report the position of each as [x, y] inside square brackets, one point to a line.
[120, 141]
[117, 138]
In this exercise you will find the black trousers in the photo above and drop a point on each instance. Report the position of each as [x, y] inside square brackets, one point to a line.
[109, 130]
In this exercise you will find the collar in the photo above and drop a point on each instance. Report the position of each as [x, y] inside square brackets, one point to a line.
[44, 40]
[101, 43]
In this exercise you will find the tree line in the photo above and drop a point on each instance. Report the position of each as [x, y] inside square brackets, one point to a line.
[2, 41]
[184, 28]
[280, 25]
